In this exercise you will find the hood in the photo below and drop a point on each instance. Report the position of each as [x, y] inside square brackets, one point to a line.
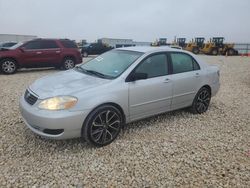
[65, 83]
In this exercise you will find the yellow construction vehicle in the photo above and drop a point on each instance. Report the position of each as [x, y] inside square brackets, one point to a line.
[195, 45]
[216, 46]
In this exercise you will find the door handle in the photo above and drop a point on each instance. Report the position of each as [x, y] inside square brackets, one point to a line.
[166, 80]
[38, 52]
[197, 74]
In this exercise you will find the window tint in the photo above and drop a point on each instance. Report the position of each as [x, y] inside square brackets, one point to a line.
[183, 63]
[68, 44]
[154, 66]
[33, 45]
[47, 44]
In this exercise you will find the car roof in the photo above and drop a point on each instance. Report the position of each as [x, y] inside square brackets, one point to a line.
[149, 49]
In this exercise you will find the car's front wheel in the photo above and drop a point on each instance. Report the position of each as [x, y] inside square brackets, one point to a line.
[8, 66]
[201, 101]
[102, 126]
[68, 63]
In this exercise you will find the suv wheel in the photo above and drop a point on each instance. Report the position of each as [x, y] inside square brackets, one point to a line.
[8, 66]
[68, 63]
[102, 126]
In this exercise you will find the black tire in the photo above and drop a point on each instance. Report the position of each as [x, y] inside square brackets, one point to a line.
[102, 126]
[201, 101]
[8, 66]
[85, 54]
[68, 63]
[214, 51]
[230, 52]
[196, 50]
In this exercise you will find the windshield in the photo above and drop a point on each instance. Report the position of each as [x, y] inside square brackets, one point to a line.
[112, 63]
[16, 45]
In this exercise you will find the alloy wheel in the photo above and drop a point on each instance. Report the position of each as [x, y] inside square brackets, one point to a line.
[105, 127]
[8, 67]
[69, 64]
[203, 101]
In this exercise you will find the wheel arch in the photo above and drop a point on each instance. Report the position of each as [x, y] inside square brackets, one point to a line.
[69, 56]
[208, 87]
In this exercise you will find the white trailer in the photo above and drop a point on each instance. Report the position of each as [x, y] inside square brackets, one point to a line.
[15, 38]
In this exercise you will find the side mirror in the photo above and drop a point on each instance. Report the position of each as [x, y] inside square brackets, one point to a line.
[137, 76]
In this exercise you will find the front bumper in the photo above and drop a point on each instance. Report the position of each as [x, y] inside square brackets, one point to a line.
[61, 124]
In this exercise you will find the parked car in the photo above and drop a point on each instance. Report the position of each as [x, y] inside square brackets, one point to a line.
[7, 44]
[94, 100]
[94, 49]
[40, 53]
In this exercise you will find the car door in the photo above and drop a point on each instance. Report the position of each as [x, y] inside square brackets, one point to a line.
[186, 77]
[152, 95]
[50, 52]
[31, 54]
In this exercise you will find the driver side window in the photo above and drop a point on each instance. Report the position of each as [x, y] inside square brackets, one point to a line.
[154, 66]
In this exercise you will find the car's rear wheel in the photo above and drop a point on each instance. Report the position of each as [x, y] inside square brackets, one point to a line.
[8, 66]
[201, 101]
[68, 63]
[102, 126]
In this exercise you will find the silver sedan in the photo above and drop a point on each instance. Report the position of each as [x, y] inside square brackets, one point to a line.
[96, 98]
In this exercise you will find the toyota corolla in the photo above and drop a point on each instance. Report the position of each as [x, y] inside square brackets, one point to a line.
[95, 99]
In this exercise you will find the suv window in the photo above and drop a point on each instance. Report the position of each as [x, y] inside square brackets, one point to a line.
[154, 66]
[183, 63]
[68, 44]
[32, 45]
[48, 44]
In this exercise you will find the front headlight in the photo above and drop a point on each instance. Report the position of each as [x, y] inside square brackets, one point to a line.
[58, 103]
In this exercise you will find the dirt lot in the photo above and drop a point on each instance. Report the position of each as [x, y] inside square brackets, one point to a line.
[173, 149]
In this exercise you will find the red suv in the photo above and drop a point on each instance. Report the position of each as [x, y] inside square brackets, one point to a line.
[40, 53]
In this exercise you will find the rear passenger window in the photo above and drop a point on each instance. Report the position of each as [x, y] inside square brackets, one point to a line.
[183, 63]
[68, 44]
[154, 66]
[48, 44]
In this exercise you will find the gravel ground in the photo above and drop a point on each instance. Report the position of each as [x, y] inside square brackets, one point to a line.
[171, 150]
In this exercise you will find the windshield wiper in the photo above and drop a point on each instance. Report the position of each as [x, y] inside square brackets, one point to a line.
[93, 72]
[80, 68]
[97, 73]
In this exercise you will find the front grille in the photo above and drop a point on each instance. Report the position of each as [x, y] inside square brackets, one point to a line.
[30, 98]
